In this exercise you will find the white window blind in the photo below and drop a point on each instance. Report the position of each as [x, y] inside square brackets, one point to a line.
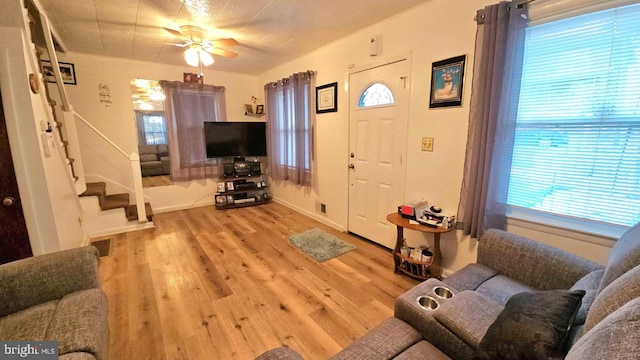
[577, 143]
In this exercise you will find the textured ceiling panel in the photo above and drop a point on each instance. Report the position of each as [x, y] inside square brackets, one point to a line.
[269, 31]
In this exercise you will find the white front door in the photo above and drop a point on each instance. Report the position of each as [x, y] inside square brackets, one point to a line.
[377, 146]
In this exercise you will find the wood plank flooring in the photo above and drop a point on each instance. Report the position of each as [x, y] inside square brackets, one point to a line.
[158, 180]
[226, 284]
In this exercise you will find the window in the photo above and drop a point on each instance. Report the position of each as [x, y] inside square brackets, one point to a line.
[154, 129]
[290, 118]
[375, 95]
[577, 141]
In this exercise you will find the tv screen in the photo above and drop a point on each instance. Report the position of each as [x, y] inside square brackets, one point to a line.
[225, 139]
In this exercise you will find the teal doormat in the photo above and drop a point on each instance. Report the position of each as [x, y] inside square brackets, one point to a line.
[319, 244]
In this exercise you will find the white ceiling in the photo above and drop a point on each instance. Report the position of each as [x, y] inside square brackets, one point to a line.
[270, 32]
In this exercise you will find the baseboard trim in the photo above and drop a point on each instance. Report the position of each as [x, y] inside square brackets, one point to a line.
[182, 207]
[120, 230]
[312, 215]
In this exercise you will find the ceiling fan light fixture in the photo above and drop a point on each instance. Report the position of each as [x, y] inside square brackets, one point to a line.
[191, 56]
[206, 58]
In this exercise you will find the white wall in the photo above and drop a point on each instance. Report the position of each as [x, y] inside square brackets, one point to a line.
[117, 121]
[433, 31]
[51, 209]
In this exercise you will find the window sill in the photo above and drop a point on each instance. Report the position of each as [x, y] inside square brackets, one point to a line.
[579, 229]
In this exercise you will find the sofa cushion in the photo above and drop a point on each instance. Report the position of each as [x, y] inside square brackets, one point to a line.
[532, 325]
[615, 337]
[148, 157]
[470, 277]
[147, 149]
[77, 356]
[385, 341]
[618, 293]
[589, 283]
[624, 256]
[80, 323]
[163, 150]
[423, 350]
[468, 315]
[28, 324]
[500, 288]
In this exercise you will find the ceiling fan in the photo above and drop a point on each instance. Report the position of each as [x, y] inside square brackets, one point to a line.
[199, 47]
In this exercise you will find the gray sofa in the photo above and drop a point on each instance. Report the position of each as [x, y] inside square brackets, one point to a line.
[56, 297]
[497, 305]
[154, 159]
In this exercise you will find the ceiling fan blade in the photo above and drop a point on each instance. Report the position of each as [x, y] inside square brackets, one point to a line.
[223, 52]
[224, 42]
[174, 33]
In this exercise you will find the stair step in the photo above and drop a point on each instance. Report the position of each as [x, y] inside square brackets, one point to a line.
[132, 212]
[95, 189]
[107, 202]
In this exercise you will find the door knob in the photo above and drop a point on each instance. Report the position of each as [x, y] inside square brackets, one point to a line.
[351, 166]
[8, 201]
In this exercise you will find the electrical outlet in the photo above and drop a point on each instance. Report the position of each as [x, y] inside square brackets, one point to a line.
[427, 144]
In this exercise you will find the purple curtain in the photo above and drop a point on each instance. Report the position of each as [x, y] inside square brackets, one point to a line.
[492, 117]
[290, 115]
[187, 107]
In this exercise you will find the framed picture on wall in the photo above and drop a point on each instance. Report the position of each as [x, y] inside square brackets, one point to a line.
[67, 70]
[327, 98]
[447, 77]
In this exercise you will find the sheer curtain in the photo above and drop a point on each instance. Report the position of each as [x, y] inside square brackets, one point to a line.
[290, 116]
[187, 107]
[492, 117]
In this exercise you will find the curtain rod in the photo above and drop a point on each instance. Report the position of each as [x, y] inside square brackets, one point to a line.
[520, 5]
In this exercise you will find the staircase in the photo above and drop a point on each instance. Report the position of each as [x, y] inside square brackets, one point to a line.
[109, 202]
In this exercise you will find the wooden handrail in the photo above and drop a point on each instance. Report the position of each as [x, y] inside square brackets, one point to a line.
[101, 134]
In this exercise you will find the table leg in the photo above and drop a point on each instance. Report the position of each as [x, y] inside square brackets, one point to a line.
[436, 270]
[396, 250]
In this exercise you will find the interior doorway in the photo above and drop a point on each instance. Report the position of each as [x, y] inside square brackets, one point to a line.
[14, 238]
[378, 121]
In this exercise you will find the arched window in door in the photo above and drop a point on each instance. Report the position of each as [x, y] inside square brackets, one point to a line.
[375, 95]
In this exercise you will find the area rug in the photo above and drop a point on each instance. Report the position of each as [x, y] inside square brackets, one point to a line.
[319, 244]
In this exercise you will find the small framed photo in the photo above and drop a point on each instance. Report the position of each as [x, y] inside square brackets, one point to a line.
[447, 78]
[230, 186]
[327, 98]
[264, 184]
[259, 109]
[221, 200]
[248, 109]
[190, 78]
[221, 187]
[258, 184]
[230, 199]
[67, 70]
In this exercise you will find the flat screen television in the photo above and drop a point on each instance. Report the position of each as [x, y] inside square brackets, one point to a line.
[226, 139]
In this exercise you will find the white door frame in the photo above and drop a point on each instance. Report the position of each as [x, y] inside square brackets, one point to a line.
[365, 67]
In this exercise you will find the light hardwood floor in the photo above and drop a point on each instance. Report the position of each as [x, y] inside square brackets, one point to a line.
[226, 284]
[159, 180]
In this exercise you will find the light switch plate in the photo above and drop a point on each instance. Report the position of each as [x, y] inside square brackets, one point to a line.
[427, 144]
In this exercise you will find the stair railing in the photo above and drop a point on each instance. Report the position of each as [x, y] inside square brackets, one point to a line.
[136, 172]
[69, 114]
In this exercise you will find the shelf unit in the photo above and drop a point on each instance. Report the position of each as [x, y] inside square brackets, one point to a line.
[229, 196]
[435, 270]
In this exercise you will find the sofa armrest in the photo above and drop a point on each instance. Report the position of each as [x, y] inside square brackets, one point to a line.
[281, 353]
[28, 282]
[530, 262]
